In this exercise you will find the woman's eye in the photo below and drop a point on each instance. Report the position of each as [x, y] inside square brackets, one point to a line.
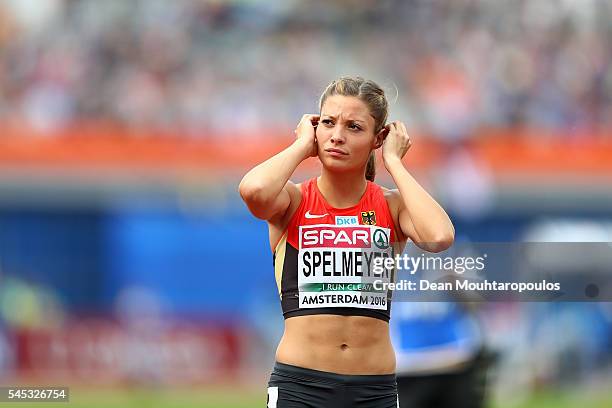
[326, 122]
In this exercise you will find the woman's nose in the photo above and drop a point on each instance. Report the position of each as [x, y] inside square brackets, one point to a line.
[337, 135]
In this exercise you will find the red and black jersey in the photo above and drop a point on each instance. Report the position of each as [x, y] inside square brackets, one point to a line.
[330, 260]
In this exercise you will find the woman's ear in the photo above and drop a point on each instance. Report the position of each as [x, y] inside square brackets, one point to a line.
[380, 137]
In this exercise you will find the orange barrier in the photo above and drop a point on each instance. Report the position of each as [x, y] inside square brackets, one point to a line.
[110, 146]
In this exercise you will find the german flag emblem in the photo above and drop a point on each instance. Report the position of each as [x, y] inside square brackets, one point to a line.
[368, 217]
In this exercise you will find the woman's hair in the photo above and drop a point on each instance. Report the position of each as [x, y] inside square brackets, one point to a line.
[372, 95]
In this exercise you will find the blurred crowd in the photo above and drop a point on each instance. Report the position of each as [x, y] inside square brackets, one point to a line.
[207, 66]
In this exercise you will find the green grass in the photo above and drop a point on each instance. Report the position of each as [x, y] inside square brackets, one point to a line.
[228, 397]
[163, 397]
[560, 399]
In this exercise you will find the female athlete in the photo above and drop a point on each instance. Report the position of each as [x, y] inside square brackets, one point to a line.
[327, 235]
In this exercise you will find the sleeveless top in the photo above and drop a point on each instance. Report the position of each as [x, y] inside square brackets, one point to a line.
[330, 260]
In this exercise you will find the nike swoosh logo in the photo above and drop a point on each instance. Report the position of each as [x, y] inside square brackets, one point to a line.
[309, 215]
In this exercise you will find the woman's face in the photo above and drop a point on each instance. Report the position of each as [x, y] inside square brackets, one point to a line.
[345, 134]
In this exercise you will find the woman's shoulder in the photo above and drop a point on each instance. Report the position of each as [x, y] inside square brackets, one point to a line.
[296, 195]
[278, 226]
[394, 202]
[294, 187]
[393, 199]
[296, 190]
[392, 195]
[306, 187]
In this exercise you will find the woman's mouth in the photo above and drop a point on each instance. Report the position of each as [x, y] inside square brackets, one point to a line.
[336, 152]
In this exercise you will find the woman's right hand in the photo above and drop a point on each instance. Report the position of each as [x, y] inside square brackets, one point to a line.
[305, 133]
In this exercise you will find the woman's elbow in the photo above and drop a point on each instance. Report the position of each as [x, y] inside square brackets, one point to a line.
[249, 191]
[253, 196]
[445, 242]
[441, 242]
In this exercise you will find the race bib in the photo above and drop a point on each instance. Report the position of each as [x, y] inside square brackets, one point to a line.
[336, 266]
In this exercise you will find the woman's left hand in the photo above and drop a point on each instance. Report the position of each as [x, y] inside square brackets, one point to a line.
[396, 143]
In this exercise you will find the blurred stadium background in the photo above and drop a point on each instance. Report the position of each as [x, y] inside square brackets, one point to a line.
[129, 268]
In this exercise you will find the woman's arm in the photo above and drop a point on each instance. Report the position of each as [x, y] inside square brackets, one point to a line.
[420, 217]
[264, 188]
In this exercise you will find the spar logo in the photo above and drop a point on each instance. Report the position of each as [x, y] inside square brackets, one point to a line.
[327, 236]
[381, 239]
